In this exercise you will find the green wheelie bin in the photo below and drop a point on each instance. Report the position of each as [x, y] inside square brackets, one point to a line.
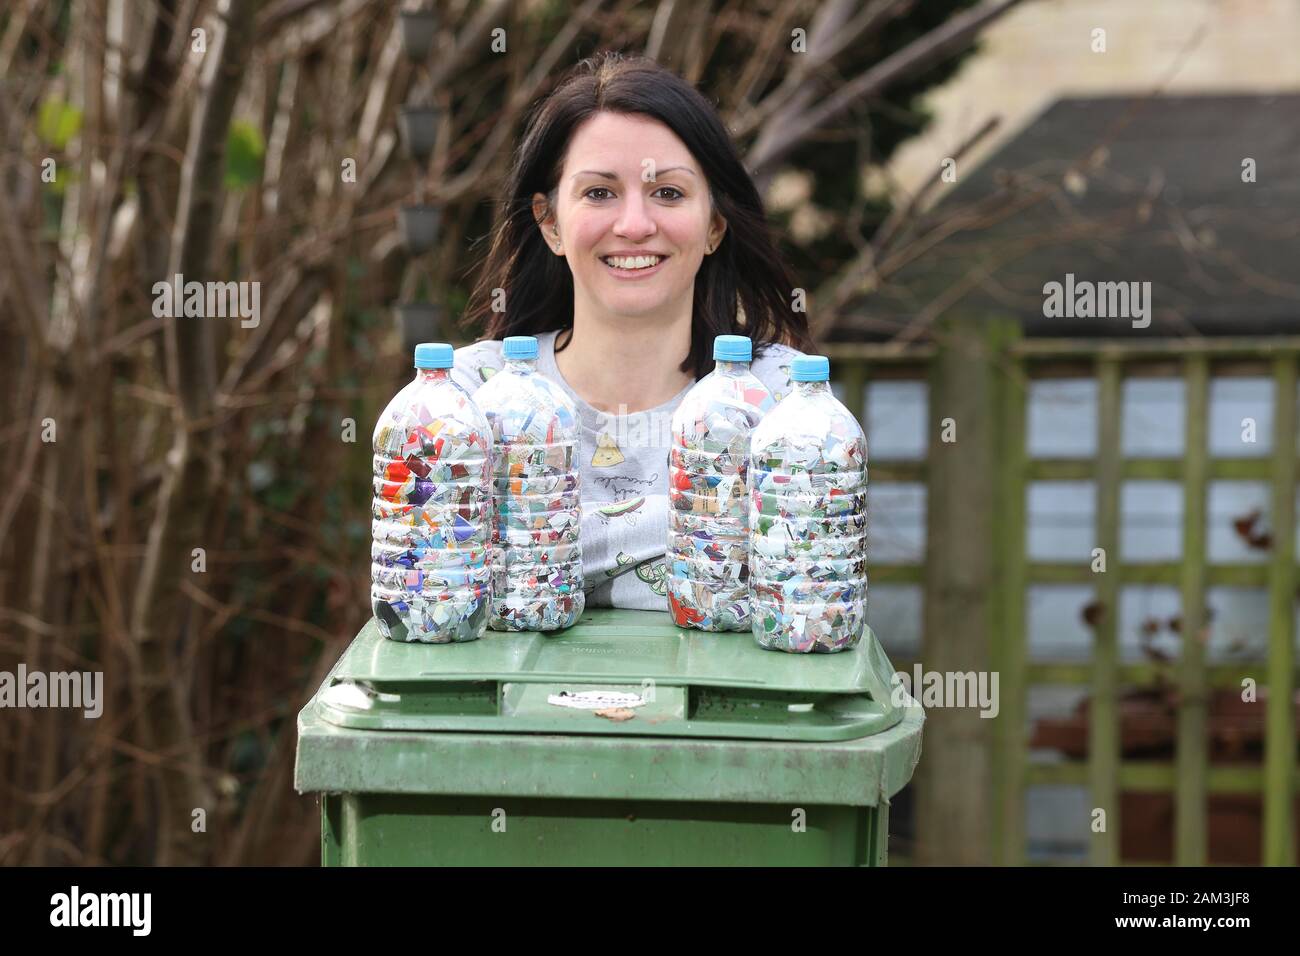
[623, 740]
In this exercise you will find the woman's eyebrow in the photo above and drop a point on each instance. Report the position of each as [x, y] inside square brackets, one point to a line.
[614, 176]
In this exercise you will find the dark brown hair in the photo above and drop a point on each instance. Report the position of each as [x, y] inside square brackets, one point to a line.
[538, 284]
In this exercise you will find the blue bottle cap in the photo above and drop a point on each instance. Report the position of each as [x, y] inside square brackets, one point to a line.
[519, 347]
[434, 355]
[810, 368]
[733, 348]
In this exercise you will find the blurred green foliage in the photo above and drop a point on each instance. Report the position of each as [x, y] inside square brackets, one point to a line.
[57, 122]
[245, 151]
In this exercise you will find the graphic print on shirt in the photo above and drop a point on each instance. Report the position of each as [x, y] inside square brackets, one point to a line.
[652, 571]
[485, 372]
[655, 574]
[607, 453]
[622, 562]
[624, 486]
[789, 383]
[621, 509]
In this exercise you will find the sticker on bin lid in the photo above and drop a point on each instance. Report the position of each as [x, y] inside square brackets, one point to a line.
[347, 693]
[596, 699]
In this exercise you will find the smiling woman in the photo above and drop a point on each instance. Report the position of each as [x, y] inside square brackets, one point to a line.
[629, 238]
[635, 232]
[625, 158]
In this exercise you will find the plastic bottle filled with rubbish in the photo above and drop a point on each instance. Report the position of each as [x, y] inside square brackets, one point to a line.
[432, 508]
[808, 519]
[708, 520]
[536, 547]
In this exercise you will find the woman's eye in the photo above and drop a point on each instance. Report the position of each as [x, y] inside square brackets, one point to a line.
[676, 193]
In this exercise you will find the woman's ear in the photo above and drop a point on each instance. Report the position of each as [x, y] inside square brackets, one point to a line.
[544, 216]
[717, 229]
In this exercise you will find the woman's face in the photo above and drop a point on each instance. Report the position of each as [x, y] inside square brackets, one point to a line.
[630, 188]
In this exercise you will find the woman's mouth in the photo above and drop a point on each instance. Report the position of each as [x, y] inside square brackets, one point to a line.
[633, 267]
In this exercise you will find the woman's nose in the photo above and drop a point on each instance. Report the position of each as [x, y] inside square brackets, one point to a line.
[634, 219]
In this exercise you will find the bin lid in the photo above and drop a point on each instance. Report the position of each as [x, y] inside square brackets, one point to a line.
[613, 672]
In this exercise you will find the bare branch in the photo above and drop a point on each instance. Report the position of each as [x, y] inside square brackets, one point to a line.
[913, 58]
[830, 35]
[192, 365]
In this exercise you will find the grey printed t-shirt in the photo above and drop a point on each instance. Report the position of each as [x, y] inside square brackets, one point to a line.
[624, 475]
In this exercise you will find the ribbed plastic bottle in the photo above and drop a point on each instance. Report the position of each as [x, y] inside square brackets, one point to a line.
[708, 521]
[808, 519]
[536, 557]
[432, 508]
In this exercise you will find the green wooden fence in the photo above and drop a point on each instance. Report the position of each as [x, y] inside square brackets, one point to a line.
[976, 574]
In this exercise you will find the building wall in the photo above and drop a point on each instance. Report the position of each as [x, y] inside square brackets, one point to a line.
[1042, 51]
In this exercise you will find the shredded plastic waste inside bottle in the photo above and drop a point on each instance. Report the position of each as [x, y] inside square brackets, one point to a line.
[431, 511]
[536, 560]
[808, 519]
[708, 520]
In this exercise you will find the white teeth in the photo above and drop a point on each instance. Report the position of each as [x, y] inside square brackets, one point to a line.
[631, 262]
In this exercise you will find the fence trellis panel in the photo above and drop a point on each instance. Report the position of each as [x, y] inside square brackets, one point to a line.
[1011, 364]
